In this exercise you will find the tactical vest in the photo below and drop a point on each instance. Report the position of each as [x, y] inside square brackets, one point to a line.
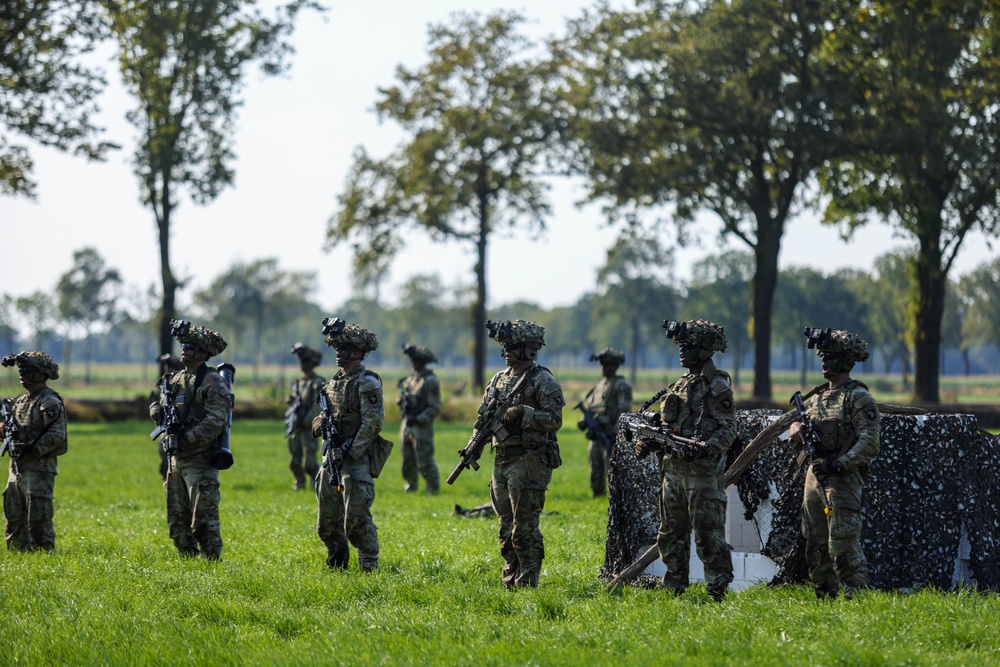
[28, 415]
[345, 401]
[687, 408]
[834, 424]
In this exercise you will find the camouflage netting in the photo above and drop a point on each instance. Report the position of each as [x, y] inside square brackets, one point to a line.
[936, 475]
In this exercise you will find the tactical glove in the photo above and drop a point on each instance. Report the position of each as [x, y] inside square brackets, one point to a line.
[582, 424]
[513, 415]
[643, 449]
[317, 426]
[828, 466]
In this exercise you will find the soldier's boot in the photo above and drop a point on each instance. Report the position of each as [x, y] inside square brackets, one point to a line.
[674, 585]
[189, 552]
[338, 555]
[826, 592]
[212, 556]
[511, 572]
[718, 594]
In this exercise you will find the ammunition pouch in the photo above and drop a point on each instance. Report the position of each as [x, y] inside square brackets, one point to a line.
[378, 455]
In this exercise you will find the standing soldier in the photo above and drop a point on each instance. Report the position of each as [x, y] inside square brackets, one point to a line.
[168, 364]
[34, 428]
[526, 449]
[606, 402]
[200, 400]
[354, 414]
[843, 422]
[303, 406]
[692, 493]
[419, 404]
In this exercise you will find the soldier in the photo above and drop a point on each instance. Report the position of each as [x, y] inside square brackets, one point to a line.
[419, 403]
[607, 401]
[354, 396]
[692, 494]
[526, 450]
[846, 418]
[36, 430]
[168, 364]
[202, 401]
[303, 406]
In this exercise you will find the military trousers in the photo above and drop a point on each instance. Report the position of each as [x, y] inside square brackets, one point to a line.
[417, 448]
[693, 503]
[346, 516]
[27, 505]
[598, 455]
[303, 450]
[193, 508]
[831, 525]
[518, 494]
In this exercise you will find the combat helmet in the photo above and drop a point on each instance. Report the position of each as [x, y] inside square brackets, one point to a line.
[306, 353]
[45, 364]
[205, 339]
[700, 333]
[609, 355]
[518, 332]
[341, 334]
[417, 353]
[850, 346]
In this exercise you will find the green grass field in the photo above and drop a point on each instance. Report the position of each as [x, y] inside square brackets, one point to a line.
[116, 593]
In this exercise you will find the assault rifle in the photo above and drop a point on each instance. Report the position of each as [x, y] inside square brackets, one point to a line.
[809, 432]
[595, 429]
[334, 450]
[292, 412]
[488, 424]
[10, 432]
[169, 426]
[649, 426]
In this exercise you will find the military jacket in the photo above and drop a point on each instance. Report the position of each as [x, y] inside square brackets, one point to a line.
[307, 389]
[423, 398]
[542, 400]
[42, 414]
[701, 402]
[356, 404]
[847, 419]
[209, 407]
[609, 400]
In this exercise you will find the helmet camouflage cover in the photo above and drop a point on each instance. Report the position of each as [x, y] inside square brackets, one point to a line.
[353, 336]
[518, 332]
[306, 353]
[704, 334]
[43, 362]
[840, 341]
[609, 355]
[419, 353]
[210, 341]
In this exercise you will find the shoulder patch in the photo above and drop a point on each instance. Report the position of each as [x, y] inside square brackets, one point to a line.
[871, 413]
[720, 385]
[369, 383]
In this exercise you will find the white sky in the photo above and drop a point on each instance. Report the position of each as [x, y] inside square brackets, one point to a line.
[294, 144]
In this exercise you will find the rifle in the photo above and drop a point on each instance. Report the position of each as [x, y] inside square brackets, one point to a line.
[649, 426]
[404, 404]
[810, 442]
[334, 451]
[170, 426]
[10, 431]
[595, 429]
[488, 424]
[292, 412]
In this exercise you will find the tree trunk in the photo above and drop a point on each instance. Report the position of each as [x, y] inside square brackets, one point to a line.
[966, 362]
[167, 279]
[765, 280]
[479, 308]
[88, 356]
[636, 345]
[931, 280]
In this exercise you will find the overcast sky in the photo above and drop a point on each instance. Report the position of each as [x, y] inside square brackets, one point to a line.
[294, 144]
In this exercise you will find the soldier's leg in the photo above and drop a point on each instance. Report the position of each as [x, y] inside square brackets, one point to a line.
[411, 473]
[673, 537]
[163, 459]
[204, 485]
[598, 467]
[426, 463]
[500, 495]
[708, 514]
[815, 530]
[359, 495]
[330, 522]
[527, 494]
[39, 489]
[15, 509]
[310, 459]
[845, 533]
[295, 461]
[179, 514]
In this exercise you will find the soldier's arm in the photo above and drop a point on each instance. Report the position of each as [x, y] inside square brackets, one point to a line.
[372, 416]
[52, 412]
[432, 392]
[547, 416]
[622, 401]
[865, 418]
[722, 407]
[217, 404]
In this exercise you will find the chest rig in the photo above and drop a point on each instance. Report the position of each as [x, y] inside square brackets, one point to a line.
[345, 402]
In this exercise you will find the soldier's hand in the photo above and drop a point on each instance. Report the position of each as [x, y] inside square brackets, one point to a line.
[642, 448]
[399, 400]
[317, 426]
[795, 433]
[828, 466]
[513, 415]
[582, 424]
[154, 412]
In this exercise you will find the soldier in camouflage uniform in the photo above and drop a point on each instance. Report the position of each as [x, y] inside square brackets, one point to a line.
[168, 364]
[40, 420]
[355, 398]
[303, 406]
[203, 402]
[420, 393]
[608, 400]
[526, 450]
[847, 420]
[692, 493]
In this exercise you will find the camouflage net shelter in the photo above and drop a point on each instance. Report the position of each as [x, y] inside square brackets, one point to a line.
[935, 481]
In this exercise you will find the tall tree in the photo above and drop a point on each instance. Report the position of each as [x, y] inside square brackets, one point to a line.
[185, 62]
[478, 128]
[925, 128]
[714, 105]
[88, 295]
[47, 94]
[720, 291]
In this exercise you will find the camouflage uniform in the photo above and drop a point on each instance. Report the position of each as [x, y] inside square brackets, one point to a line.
[27, 501]
[611, 398]
[303, 447]
[526, 454]
[193, 492]
[416, 432]
[847, 420]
